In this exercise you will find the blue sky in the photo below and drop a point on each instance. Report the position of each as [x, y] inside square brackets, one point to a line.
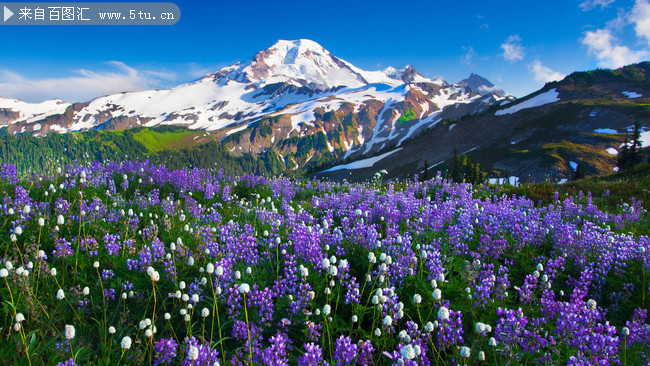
[518, 45]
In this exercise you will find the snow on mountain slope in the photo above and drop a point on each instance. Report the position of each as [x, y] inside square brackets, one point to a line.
[301, 62]
[356, 96]
[287, 92]
[364, 163]
[482, 85]
[200, 105]
[31, 112]
[550, 96]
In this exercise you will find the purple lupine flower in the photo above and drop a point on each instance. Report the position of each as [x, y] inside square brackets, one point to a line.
[345, 351]
[313, 356]
[165, 351]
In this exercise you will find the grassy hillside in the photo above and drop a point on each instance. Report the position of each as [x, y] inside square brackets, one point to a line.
[173, 146]
[609, 191]
[155, 140]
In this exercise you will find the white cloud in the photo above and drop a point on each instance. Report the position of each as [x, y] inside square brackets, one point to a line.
[640, 17]
[467, 57]
[543, 74]
[84, 85]
[590, 4]
[512, 49]
[602, 44]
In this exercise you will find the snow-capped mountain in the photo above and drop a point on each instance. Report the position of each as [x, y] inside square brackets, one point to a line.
[301, 63]
[482, 85]
[289, 93]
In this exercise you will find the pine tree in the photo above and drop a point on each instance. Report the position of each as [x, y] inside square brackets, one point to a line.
[635, 152]
[580, 171]
[623, 155]
[425, 177]
[456, 169]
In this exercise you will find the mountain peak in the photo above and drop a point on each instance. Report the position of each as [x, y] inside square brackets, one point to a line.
[407, 74]
[482, 85]
[300, 44]
[301, 62]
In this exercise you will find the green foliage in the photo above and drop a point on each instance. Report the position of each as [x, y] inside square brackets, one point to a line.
[465, 171]
[157, 140]
[580, 171]
[631, 154]
[41, 154]
[406, 116]
[331, 116]
[272, 162]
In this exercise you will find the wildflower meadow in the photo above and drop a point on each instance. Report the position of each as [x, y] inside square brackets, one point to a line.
[135, 264]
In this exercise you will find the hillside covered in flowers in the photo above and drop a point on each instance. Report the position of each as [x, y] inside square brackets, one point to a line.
[133, 264]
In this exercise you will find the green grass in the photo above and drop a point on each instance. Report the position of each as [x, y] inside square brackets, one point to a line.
[406, 116]
[156, 141]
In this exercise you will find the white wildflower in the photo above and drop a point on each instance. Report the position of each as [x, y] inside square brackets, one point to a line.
[69, 332]
[126, 342]
[443, 313]
[437, 294]
[408, 352]
[388, 320]
[591, 304]
[465, 352]
[193, 353]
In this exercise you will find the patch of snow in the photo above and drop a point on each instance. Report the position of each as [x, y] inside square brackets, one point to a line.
[364, 163]
[329, 146]
[593, 114]
[574, 165]
[605, 130]
[645, 139]
[562, 181]
[311, 156]
[550, 96]
[360, 135]
[612, 151]
[632, 95]
[513, 142]
[452, 126]
[32, 112]
[420, 123]
[57, 128]
[615, 169]
[512, 180]
[498, 181]
[234, 130]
